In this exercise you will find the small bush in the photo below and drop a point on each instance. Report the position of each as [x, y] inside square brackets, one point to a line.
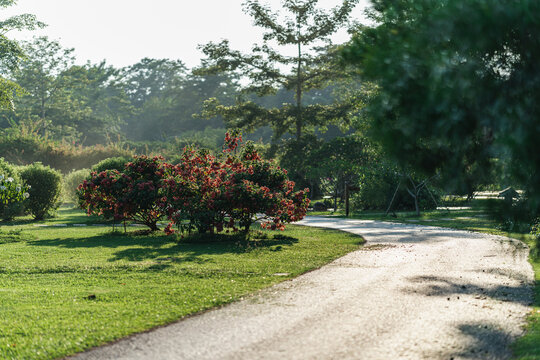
[329, 203]
[71, 183]
[12, 191]
[114, 163]
[320, 206]
[45, 190]
[515, 216]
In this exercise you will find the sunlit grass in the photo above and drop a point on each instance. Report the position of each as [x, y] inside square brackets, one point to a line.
[66, 289]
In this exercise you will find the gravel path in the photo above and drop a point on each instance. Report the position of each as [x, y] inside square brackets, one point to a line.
[413, 292]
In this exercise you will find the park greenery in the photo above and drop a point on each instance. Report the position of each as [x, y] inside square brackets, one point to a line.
[320, 113]
[429, 104]
[67, 289]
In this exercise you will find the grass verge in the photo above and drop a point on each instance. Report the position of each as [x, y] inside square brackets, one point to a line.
[68, 288]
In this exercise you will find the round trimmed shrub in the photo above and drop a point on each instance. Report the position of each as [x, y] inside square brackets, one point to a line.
[71, 183]
[114, 163]
[45, 190]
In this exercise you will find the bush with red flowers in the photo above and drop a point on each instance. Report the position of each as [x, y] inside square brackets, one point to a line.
[134, 194]
[232, 192]
[190, 188]
[202, 192]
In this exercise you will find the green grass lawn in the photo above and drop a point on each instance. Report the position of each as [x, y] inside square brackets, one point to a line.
[475, 219]
[67, 289]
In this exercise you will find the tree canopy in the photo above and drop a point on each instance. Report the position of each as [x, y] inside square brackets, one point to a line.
[267, 70]
[11, 53]
[457, 83]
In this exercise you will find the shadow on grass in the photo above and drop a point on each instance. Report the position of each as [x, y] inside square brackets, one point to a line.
[191, 249]
[105, 240]
[50, 221]
[162, 248]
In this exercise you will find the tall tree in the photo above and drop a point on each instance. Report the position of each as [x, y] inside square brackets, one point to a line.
[11, 53]
[267, 70]
[152, 78]
[97, 89]
[43, 75]
[65, 101]
[188, 102]
[458, 83]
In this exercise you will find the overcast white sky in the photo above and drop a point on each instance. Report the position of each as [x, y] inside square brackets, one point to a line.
[124, 31]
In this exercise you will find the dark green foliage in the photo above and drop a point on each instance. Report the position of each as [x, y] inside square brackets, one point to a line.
[46, 187]
[515, 216]
[338, 162]
[296, 158]
[325, 166]
[114, 163]
[457, 85]
[378, 183]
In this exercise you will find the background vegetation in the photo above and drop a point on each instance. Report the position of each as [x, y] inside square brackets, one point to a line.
[398, 126]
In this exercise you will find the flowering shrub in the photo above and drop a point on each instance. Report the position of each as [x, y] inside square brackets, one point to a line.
[256, 189]
[190, 189]
[11, 193]
[202, 192]
[232, 192]
[133, 194]
[10, 203]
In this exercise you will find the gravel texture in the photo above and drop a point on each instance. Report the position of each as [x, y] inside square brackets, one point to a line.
[413, 292]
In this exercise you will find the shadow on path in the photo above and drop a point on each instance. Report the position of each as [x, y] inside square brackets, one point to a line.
[450, 288]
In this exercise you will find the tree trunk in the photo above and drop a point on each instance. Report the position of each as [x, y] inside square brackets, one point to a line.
[335, 197]
[393, 197]
[299, 121]
[416, 205]
[153, 226]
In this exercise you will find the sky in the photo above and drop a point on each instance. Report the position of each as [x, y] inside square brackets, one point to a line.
[124, 31]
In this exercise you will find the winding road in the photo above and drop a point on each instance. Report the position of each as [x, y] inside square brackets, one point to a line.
[412, 292]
